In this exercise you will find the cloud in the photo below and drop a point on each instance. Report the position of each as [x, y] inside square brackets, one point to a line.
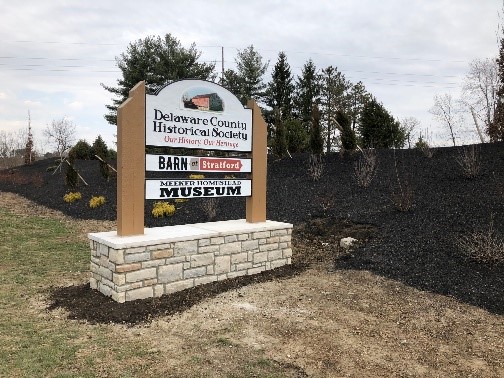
[402, 51]
[74, 105]
[30, 103]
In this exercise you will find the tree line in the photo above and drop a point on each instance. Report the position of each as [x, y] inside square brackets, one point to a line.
[347, 113]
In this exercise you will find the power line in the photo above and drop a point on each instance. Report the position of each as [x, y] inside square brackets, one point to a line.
[66, 43]
[11, 65]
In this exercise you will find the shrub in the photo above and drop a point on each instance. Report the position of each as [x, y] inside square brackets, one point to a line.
[348, 138]
[195, 176]
[112, 154]
[365, 167]
[326, 203]
[297, 136]
[402, 195]
[484, 246]
[71, 176]
[280, 139]
[209, 206]
[315, 166]
[81, 150]
[72, 197]
[99, 148]
[469, 162]
[316, 142]
[105, 170]
[95, 202]
[181, 200]
[162, 208]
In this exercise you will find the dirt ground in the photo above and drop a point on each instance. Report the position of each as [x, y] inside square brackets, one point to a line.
[321, 322]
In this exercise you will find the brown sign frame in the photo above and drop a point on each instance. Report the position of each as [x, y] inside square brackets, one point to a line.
[131, 164]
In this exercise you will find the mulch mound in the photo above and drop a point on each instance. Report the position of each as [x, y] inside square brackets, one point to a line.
[83, 303]
[417, 247]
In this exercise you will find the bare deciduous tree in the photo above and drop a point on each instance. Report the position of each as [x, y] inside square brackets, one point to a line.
[444, 110]
[60, 134]
[11, 143]
[409, 124]
[479, 92]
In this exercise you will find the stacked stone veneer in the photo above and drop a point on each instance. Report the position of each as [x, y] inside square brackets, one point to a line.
[169, 259]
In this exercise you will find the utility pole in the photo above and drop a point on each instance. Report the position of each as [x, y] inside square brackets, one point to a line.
[222, 61]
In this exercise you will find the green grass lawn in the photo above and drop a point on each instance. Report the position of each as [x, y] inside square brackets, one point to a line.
[39, 252]
[35, 254]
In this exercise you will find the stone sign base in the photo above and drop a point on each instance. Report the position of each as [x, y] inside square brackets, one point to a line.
[169, 259]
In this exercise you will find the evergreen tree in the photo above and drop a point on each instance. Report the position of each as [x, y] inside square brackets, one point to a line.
[247, 81]
[358, 97]
[280, 140]
[316, 141]
[71, 176]
[281, 88]
[347, 135]
[158, 61]
[307, 93]
[29, 155]
[334, 97]
[82, 150]
[99, 148]
[297, 137]
[378, 129]
[232, 82]
[495, 128]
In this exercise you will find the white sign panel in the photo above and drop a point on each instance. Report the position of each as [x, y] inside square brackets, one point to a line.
[180, 188]
[175, 163]
[197, 114]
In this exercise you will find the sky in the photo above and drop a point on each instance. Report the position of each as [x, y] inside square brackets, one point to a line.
[55, 54]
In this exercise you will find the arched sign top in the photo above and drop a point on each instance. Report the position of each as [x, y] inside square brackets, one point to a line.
[197, 114]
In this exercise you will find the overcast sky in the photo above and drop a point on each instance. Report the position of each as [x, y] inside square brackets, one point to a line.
[55, 53]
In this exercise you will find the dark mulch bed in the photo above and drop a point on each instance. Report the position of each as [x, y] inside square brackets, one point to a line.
[417, 247]
[82, 303]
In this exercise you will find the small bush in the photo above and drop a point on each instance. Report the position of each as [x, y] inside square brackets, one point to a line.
[105, 170]
[484, 246]
[423, 146]
[326, 203]
[181, 200]
[99, 148]
[195, 176]
[365, 168]
[72, 197]
[402, 195]
[81, 150]
[95, 202]
[315, 166]
[71, 177]
[162, 208]
[209, 206]
[469, 162]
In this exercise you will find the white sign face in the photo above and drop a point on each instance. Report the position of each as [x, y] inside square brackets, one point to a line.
[197, 114]
[180, 188]
[173, 163]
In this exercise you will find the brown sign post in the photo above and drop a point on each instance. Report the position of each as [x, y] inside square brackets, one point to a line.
[131, 163]
[131, 123]
[256, 203]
